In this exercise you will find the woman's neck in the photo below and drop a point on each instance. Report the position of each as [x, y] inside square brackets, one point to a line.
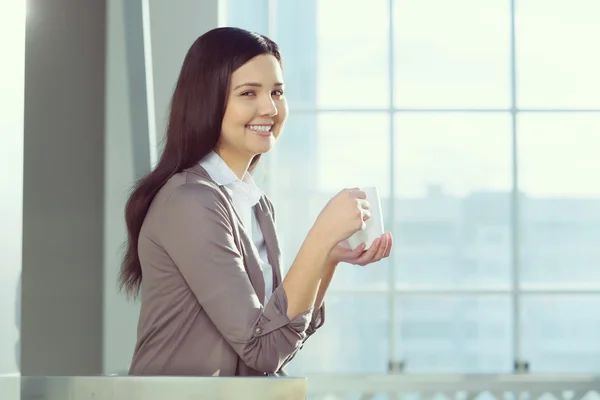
[238, 164]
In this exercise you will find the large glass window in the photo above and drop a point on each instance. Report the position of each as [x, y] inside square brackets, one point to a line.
[479, 122]
[451, 54]
[557, 64]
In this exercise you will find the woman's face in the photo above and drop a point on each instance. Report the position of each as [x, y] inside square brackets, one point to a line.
[256, 108]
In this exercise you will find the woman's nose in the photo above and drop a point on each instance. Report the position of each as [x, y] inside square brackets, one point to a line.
[268, 107]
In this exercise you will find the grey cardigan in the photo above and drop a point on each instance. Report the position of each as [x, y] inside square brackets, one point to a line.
[203, 288]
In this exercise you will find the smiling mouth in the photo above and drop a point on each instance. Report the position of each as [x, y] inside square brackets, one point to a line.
[261, 130]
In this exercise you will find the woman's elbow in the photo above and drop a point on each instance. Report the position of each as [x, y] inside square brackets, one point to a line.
[268, 366]
[263, 362]
[269, 359]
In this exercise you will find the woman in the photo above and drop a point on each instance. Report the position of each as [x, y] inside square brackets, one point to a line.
[202, 236]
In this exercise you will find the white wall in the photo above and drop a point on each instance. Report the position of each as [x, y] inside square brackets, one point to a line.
[12, 80]
[171, 32]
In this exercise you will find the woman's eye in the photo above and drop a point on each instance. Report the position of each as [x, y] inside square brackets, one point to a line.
[252, 93]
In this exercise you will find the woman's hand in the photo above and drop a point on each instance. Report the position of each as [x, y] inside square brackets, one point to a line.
[344, 215]
[380, 249]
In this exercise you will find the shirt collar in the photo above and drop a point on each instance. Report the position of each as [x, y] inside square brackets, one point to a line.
[220, 172]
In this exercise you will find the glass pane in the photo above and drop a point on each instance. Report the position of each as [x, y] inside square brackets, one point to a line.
[353, 150]
[452, 203]
[557, 65]
[454, 334]
[352, 53]
[353, 340]
[560, 334]
[317, 156]
[252, 15]
[291, 174]
[295, 25]
[452, 54]
[559, 168]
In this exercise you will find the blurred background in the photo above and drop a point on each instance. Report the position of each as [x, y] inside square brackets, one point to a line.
[478, 121]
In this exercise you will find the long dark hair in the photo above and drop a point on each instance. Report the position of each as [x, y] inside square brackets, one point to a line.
[197, 110]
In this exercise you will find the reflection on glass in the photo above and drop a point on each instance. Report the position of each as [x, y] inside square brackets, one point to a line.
[452, 204]
[352, 53]
[560, 216]
[353, 340]
[452, 54]
[560, 333]
[454, 334]
[557, 60]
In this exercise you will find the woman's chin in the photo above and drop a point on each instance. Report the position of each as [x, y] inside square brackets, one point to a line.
[264, 147]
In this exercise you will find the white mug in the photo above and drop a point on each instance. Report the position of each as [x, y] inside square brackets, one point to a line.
[373, 226]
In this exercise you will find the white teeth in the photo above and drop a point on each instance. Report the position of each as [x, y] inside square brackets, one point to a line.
[260, 128]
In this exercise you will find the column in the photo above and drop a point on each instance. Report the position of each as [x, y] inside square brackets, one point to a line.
[63, 191]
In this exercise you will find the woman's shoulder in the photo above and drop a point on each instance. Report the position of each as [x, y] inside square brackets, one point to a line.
[186, 201]
[187, 189]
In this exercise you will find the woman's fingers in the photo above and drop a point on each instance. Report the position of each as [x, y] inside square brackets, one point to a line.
[367, 256]
[366, 214]
[389, 245]
[382, 248]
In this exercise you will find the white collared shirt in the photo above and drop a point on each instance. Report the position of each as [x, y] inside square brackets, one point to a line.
[245, 195]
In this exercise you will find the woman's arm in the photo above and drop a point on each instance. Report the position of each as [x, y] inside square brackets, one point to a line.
[304, 279]
[330, 267]
[307, 279]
